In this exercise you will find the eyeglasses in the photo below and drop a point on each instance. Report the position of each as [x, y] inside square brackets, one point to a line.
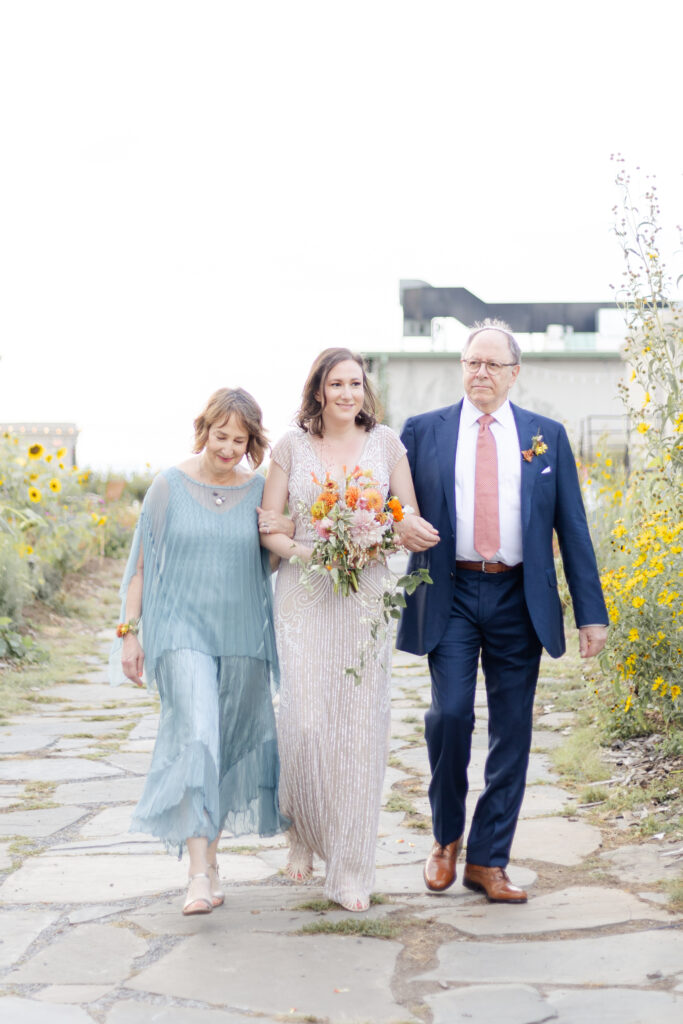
[474, 365]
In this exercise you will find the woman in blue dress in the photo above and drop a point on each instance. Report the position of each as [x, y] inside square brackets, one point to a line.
[197, 611]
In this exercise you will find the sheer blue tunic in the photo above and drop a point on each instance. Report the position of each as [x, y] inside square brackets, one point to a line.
[207, 633]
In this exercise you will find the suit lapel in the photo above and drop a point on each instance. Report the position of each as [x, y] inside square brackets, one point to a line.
[527, 426]
[446, 440]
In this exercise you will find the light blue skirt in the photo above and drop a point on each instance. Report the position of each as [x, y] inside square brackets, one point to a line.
[215, 764]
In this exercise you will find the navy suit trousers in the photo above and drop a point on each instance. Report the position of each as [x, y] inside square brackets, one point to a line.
[488, 616]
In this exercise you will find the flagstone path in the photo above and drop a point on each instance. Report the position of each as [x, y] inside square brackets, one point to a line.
[91, 929]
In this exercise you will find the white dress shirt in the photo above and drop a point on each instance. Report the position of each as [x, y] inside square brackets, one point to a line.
[508, 448]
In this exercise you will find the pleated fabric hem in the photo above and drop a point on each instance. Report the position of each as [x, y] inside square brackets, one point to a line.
[184, 799]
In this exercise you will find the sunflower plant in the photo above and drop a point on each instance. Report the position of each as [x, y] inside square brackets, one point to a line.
[641, 669]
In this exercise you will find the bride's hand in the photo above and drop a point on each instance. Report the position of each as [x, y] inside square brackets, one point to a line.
[273, 522]
[416, 534]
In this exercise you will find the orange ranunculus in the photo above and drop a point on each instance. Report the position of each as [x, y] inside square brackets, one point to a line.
[396, 509]
[352, 495]
[329, 497]
[373, 499]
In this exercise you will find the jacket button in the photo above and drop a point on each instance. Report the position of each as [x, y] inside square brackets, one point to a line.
[452, 575]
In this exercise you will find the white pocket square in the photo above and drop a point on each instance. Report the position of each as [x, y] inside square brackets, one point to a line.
[548, 469]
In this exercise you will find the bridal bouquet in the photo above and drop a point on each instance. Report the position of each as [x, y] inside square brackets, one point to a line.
[354, 525]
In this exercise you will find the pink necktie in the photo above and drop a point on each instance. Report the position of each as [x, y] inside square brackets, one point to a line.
[486, 523]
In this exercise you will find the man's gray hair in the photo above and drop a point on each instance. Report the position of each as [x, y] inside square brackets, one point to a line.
[493, 324]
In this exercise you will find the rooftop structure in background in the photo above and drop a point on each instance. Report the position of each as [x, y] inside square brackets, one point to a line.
[571, 359]
[422, 303]
[52, 436]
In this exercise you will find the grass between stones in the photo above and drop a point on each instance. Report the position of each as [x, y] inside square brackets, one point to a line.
[320, 906]
[87, 603]
[351, 926]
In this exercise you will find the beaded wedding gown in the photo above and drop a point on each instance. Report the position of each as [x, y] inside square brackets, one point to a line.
[333, 734]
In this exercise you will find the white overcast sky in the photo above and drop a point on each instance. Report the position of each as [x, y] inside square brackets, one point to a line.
[198, 194]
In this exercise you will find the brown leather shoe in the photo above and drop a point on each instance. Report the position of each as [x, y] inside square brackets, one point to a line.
[439, 870]
[494, 883]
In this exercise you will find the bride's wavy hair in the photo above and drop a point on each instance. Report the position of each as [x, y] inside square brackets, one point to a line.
[310, 414]
[223, 404]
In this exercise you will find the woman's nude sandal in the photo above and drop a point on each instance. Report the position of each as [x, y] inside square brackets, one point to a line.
[217, 894]
[299, 872]
[355, 904]
[199, 899]
[300, 864]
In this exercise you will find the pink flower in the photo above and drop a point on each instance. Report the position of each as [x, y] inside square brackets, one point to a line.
[365, 531]
[322, 527]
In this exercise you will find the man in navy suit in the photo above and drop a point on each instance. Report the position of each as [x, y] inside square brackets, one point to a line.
[499, 599]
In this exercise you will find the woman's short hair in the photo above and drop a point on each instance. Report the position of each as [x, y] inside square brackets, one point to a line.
[223, 404]
[310, 414]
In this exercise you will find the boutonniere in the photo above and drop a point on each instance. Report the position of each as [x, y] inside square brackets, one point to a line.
[538, 447]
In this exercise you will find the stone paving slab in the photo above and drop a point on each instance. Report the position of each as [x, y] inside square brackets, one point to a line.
[99, 791]
[490, 1004]
[138, 763]
[555, 720]
[245, 910]
[543, 800]
[616, 1006]
[128, 1012]
[555, 840]
[74, 994]
[642, 863]
[571, 909]
[27, 1011]
[86, 879]
[543, 740]
[522, 1004]
[44, 822]
[96, 693]
[55, 769]
[18, 929]
[340, 977]
[84, 955]
[608, 960]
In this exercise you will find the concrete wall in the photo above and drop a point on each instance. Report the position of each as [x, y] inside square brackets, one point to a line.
[567, 386]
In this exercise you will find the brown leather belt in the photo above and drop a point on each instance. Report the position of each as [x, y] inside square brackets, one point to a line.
[486, 566]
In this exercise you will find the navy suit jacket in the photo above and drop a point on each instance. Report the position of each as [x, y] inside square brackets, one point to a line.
[549, 501]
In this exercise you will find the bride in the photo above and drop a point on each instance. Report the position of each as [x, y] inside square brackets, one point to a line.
[333, 734]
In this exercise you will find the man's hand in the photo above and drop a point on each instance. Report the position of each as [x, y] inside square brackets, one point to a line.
[592, 639]
[416, 534]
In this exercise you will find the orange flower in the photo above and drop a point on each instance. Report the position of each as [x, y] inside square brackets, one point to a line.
[329, 497]
[396, 509]
[373, 499]
[352, 495]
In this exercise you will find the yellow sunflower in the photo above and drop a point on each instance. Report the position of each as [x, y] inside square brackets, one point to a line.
[55, 485]
[36, 451]
[60, 453]
[35, 495]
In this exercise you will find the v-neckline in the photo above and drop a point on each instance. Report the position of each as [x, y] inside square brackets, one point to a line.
[349, 469]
